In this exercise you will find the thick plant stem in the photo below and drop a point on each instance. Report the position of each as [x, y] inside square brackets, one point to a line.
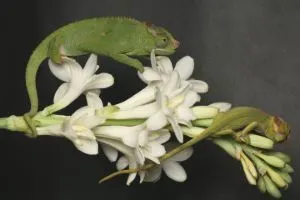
[3, 122]
[171, 153]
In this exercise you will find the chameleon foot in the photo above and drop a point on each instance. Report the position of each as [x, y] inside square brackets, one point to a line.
[32, 132]
[242, 137]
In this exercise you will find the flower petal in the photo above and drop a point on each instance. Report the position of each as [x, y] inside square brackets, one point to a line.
[60, 92]
[199, 86]
[103, 80]
[174, 171]
[93, 99]
[164, 136]
[151, 157]
[128, 135]
[144, 96]
[164, 63]
[122, 163]
[140, 112]
[172, 84]
[132, 165]
[183, 155]
[111, 153]
[157, 121]
[63, 71]
[222, 106]
[155, 149]
[140, 158]
[150, 75]
[90, 66]
[153, 174]
[142, 175]
[153, 60]
[185, 114]
[176, 128]
[185, 67]
[87, 146]
[191, 98]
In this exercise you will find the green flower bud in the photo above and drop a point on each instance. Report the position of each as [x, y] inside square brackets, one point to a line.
[205, 112]
[260, 141]
[276, 178]
[287, 168]
[192, 131]
[227, 146]
[261, 185]
[286, 158]
[271, 160]
[250, 165]
[248, 174]
[202, 122]
[286, 177]
[271, 187]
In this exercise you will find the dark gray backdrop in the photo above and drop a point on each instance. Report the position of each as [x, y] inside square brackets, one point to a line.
[247, 51]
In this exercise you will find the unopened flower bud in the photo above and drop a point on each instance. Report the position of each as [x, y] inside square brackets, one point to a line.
[192, 131]
[205, 112]
[250, 165]
[260, 141]
[202, 122]
[271, 160]
[227, 146]
[276, 178]
[261, 185]
[271, 187]
[248, 174]
[286, 177]
[286, 158]
[287, 168]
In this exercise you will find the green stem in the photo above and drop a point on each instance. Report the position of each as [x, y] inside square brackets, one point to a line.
[123, 122]
[3, 122]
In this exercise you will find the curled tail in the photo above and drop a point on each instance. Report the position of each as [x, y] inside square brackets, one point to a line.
[36, 58]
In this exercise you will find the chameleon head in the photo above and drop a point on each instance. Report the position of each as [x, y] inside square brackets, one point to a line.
[165, 43]
[278, 130]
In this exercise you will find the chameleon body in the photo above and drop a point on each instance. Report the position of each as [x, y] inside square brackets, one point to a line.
[120, 38]
[237, 122]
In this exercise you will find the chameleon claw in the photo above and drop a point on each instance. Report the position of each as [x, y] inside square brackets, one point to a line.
[32, 133]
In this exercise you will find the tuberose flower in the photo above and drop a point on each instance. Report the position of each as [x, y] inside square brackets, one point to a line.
[77, 129]
[77, 81]
[145, 144]
[171, 167]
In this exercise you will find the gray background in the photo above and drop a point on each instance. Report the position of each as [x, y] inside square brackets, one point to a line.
[247, 51]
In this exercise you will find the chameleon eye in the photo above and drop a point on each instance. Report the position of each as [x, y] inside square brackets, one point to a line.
[161, 42]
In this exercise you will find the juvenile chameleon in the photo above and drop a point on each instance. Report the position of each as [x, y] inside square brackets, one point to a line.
[119, 38]
[237, 122]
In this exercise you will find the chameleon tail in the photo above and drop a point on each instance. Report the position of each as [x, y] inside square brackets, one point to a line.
[36, 58]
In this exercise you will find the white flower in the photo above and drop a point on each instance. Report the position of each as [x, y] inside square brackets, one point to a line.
[171, 167]
[135, 149]
[77, 81]
[162, 69]
[145, 144]
[222, 106]
[77, 128]
[128, 155]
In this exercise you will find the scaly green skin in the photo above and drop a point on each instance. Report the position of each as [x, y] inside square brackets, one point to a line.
[115, 37]
[230, 122]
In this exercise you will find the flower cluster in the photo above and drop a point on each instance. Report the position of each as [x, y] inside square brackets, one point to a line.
[139, 128]
[145, 134]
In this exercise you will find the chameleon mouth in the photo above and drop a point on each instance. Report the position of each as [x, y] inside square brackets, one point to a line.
[175, 43]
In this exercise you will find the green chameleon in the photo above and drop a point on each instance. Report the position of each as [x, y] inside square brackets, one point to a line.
[237, 122]
[119, 38]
